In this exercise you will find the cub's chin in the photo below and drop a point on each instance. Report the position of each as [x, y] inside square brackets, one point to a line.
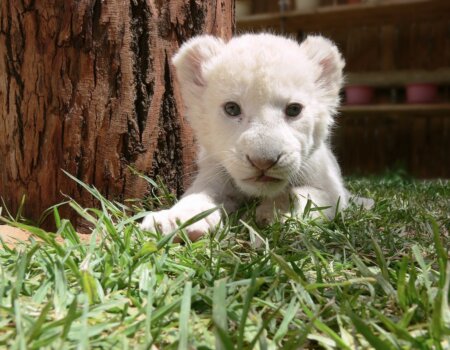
[262, 186]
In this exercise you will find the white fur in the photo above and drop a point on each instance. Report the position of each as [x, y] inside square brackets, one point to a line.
[263, 73]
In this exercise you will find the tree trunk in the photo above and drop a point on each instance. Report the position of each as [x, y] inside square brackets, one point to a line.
[87, 86]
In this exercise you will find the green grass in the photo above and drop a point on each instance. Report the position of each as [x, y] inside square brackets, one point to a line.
[368, 279]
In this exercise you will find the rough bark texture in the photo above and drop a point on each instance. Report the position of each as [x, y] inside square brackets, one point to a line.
[87, 86]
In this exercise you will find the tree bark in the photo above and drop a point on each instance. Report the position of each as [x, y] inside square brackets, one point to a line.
[87, 86]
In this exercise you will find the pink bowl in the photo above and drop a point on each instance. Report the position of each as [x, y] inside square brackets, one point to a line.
[359, 94]
[421, 93]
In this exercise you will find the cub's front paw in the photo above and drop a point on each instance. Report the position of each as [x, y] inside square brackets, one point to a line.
[271, 210]
[166, 221]
[265, 214]
[158, 220]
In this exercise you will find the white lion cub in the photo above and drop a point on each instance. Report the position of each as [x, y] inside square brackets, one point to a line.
[261, 107]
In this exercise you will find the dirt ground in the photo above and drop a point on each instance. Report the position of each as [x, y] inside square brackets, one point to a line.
[13, 235]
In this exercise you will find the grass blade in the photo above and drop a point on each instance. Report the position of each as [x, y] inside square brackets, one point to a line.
[34, 331]
[184, 317]
[288, 316]
[220, 315]
[245, 310]
[373, 339]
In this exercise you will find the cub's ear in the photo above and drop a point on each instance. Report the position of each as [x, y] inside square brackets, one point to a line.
[330, 78]
[190, 61]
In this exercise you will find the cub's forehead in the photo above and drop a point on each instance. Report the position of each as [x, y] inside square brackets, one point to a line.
[262, 42]
[261, 59]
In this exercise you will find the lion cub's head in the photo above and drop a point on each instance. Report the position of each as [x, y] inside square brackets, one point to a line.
[260, 104]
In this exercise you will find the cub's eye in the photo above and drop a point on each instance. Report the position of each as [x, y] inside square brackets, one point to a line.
[293, 109]
[232, 109]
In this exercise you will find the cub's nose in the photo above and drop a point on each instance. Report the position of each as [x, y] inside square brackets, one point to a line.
[263, 163]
